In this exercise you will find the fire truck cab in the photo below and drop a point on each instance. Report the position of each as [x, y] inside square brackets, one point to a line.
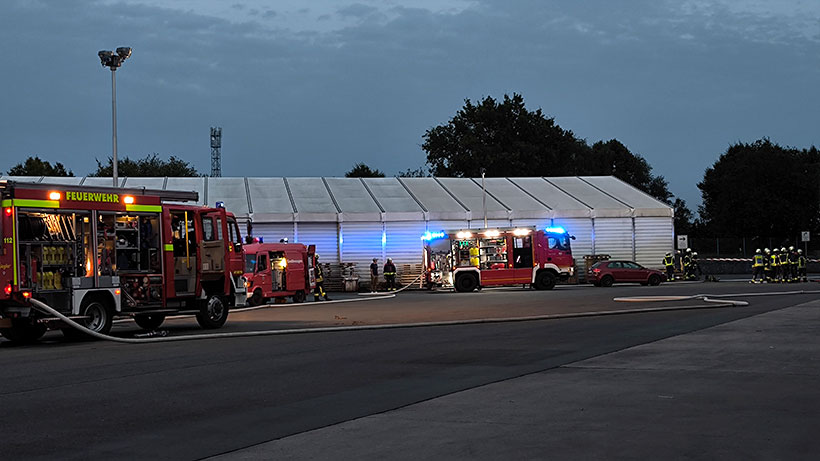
[279, 270]
[93, 253]
[469, 259]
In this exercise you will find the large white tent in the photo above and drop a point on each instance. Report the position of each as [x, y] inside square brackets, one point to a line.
[353, 220]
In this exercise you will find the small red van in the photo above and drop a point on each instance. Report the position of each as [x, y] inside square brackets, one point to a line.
[279, 270]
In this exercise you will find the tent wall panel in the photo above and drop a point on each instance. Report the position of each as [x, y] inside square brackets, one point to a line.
[653, 238]
[362, 241]
[613, 236]
[403, 242]
[324, 236]
[273, 232]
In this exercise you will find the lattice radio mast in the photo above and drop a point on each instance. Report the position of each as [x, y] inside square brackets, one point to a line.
[216, 152]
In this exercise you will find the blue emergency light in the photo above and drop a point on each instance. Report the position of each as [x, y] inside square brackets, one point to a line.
[555, 230]
[433, 235]
[220, 204]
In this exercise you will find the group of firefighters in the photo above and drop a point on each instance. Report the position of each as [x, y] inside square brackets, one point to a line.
[779, 266]
[772, 266]
[389, 277]
[686, 262]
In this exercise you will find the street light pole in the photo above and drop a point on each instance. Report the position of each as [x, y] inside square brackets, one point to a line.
[113, 61]
[114, 124]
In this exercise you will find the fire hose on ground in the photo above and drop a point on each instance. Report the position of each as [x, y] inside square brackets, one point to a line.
[712, 301]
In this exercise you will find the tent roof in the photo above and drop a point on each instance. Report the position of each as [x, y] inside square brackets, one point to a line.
[318, 199]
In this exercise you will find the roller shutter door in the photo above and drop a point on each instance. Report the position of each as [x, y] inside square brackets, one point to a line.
[581, 229]
[403, 241]
[613, 236]
[539, 223]
[273, 232]
[324, 236]
[654, 237]
[361, 242]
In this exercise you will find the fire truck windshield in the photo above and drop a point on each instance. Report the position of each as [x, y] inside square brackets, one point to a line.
[250, 262]
[559, 242]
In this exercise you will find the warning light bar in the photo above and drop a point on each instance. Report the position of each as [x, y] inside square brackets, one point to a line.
[428, 236]
[555, 230]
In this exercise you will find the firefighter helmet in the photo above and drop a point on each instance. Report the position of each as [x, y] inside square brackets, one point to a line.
[757, 251]
[695, 254]
[668, 253]
[688, 250]
[800, 252]
[767, 251]
[783, 250]
[791, 248]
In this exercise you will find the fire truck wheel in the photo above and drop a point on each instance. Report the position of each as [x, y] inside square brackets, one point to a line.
[607, 281]
[466, 282]
[100, 317]
[23, 331]
[213, 314]
[149, 321]
[256, 298]
[545, 280]
[299, 296]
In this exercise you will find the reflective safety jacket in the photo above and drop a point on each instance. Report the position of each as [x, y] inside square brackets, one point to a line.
[801, 262]
[782, 259]
[668, 261]
[774, 260]
[758, 261]
[389, 269]
[319, 275]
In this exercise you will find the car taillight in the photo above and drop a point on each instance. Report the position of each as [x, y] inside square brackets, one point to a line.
[8, 289]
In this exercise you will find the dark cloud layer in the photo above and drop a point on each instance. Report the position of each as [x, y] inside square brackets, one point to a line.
[675, 83]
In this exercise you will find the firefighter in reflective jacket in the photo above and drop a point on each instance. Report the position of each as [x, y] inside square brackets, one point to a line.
[669, 263]
[320, 282]
[801, 267]
[774, 263]
[687, 264]
[758, 263]
[767, 268]
[792, 265]
[783, 265]
[390, 274]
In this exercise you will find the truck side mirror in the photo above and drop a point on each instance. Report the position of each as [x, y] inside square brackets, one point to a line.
[572, 237]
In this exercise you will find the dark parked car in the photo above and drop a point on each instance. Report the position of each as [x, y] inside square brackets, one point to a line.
[605, 273]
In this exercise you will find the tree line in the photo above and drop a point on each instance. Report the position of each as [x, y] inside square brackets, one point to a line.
[758, 189]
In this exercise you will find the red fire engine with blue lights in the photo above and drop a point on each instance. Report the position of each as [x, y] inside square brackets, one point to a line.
[469, 259]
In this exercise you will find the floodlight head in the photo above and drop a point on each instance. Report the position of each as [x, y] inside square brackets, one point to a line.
[124, 52]
[105, 57]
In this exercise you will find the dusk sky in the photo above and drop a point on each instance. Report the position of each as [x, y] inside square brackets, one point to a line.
[308, 88]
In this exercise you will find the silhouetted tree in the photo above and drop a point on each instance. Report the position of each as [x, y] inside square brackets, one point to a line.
[150, 165]
[34, 166]
[360, 170]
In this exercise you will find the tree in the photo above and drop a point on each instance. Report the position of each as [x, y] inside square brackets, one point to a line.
[360, 170]
[684, 223]
[150, 165]
[762, 190]
[419, 172]
[34, 166]
[504, 138]
[613, 158]
[507, 139]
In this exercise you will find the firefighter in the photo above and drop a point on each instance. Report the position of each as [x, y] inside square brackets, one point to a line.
[758, 263]
[783, 265]
[374, 275]
[319, 291]
[775, 265]
[390, 274]
[687, 264]
[695, 266]
[767, 269]
[792, 265]
[801, 267]
[669, 263]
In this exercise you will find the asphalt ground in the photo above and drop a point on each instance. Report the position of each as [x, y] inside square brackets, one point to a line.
[191, 400]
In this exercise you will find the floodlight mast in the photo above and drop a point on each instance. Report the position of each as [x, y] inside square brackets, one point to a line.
[114, 60]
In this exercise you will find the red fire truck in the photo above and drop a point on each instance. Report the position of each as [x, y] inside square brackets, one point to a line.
[279, 270]
[94, 253]
[470, 259]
